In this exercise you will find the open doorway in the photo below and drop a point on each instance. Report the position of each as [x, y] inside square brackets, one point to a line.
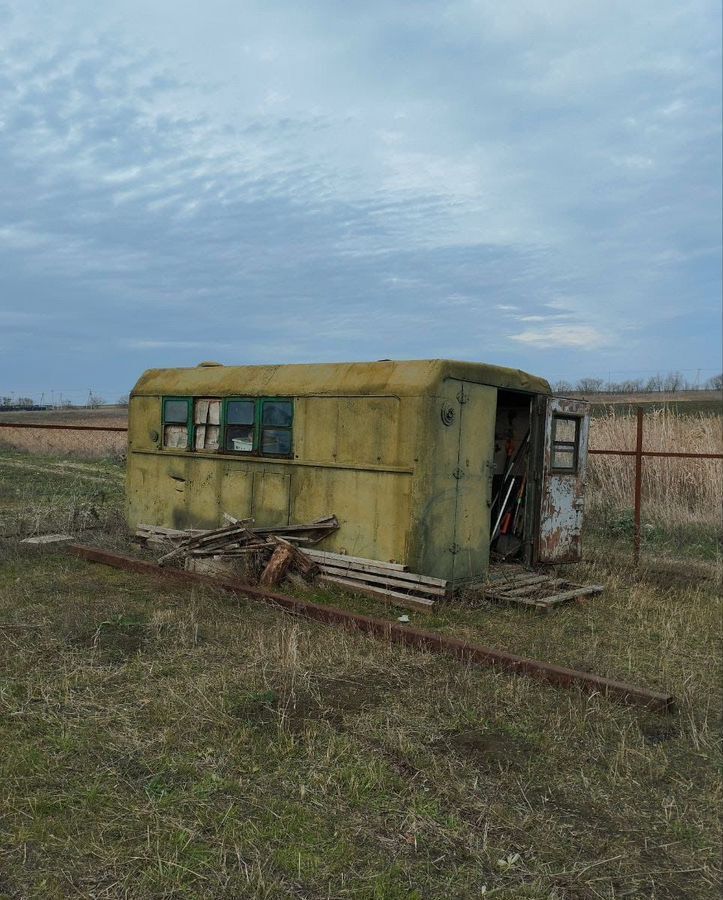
[511, 475]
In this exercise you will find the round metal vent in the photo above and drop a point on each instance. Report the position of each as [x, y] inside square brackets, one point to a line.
[448, 413]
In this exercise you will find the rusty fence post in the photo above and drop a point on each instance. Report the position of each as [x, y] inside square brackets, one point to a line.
[638, 485]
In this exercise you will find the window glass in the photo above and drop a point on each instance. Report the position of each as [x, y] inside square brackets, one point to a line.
[277, 412]
[175, 411]
[565, 437]
[240, 412]
[276, 441]
[563, 458]
[240, 438]
[565, 430]
[206, 418]
[175, 436]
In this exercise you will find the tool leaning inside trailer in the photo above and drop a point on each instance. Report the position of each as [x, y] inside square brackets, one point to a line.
[508, 502]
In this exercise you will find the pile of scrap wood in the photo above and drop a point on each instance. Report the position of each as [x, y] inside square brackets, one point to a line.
[272, 550]
[269, 554]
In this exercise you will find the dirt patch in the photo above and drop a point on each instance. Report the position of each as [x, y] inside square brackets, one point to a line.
[659, 732]
[112, 640]
[485, 747]
[332, 700]
[329, 700]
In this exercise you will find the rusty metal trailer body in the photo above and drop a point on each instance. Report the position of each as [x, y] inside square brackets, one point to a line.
[407, 455]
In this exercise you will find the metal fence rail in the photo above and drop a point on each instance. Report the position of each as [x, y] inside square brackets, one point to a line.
[55, 427]
[639, 454]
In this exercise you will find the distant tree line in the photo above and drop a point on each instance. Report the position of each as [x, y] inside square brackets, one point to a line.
[673, 381]
[93, 402]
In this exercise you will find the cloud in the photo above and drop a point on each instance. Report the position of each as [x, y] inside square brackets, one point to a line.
[387, 180]
[579, 337]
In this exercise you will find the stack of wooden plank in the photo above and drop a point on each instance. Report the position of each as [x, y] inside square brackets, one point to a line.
[236, 538]
[540, 591]
[271, 552]
[275, 551]
[386, 581]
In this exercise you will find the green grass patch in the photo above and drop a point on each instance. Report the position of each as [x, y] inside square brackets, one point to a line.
[167, 741]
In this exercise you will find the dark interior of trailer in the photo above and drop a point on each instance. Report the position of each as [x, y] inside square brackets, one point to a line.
[510, 479]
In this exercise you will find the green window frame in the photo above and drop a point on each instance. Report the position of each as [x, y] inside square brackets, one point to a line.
[265, 428]
[270, 432]
[169, 420]
[239, 431]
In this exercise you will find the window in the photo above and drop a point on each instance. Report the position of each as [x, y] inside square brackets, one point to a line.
[262, 427]
[206, 424]
[276, 419]
[175, 423]
[240, 421]
[565, 439]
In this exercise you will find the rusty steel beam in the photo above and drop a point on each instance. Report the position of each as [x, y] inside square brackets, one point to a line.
[56, 427]
[394, 633]
[638, 484]
[658, 453]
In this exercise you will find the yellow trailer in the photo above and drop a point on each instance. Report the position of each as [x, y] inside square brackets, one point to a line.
[407, 455]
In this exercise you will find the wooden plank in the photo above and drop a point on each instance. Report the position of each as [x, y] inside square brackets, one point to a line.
[387, 580]
[523, 584]
[392, 597]
[47, 539]
[580, 591]
[328, 555]
[522, 601]
[439, 583]
[549, 584]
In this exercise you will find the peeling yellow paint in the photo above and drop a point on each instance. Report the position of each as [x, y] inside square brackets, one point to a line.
[398, 451]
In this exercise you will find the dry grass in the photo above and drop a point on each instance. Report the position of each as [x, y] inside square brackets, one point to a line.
[82, 444]
[675, 491]
[163, 741]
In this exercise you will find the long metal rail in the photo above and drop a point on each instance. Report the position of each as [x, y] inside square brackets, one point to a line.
[56, 427]
[395, 633]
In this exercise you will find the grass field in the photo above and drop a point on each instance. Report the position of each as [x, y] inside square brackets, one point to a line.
[165, 741]
[83, 444]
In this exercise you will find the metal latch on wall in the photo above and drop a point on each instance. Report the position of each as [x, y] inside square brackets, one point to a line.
[458, 473]
[455, 548]
[462, 395]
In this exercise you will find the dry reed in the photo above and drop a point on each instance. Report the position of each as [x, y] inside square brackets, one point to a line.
[675, 491]
[52, 442]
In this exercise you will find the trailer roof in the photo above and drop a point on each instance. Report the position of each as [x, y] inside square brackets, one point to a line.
[386, 377]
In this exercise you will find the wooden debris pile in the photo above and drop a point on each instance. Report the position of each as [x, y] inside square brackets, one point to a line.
[271, 551]
[269, 554]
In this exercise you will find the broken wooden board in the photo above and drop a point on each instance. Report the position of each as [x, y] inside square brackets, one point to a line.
[47, 539]
[536, 590]
[385, 581]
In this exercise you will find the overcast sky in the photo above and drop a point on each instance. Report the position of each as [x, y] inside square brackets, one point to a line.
[534, 183]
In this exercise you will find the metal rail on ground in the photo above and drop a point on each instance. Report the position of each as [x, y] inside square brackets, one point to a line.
[395, 633]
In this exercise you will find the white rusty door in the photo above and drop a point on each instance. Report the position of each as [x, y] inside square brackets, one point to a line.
[559, 533]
